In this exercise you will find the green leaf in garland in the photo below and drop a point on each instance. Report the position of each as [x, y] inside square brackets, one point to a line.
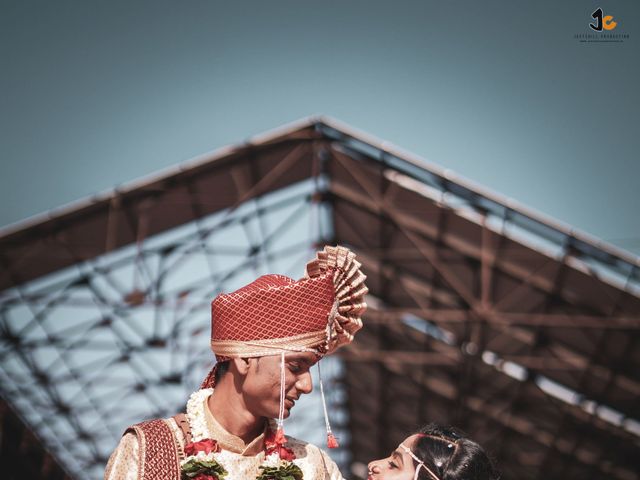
[193, 468]
[288, 472]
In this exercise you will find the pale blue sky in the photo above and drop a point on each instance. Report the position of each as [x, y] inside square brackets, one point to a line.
[95, 94]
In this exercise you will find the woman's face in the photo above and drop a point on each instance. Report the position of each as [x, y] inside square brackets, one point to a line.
[397, 466]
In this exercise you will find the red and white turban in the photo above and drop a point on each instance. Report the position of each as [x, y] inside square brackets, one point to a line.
[274, 313]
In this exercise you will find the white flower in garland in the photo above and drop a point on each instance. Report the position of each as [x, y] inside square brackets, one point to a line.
[274, 461]
[196, 414]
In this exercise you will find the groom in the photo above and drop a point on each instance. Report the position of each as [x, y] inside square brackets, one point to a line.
[266, 336]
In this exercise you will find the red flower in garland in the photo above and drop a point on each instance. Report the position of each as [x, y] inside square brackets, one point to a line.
[207, 446]
[283, 452]
[204, 477]
[271, 445]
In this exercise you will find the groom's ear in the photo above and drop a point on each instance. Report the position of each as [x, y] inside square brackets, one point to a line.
[241, 365]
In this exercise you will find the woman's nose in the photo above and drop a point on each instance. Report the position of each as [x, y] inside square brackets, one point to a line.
[373, 468]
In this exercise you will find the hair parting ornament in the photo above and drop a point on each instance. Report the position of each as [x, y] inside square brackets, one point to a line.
[420, 463]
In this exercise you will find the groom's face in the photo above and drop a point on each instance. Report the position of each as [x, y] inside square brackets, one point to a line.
[261, 386]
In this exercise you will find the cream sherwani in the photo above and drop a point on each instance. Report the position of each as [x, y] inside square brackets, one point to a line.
[239, 459]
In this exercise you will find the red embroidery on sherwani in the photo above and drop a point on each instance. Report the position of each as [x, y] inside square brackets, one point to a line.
[159, 455]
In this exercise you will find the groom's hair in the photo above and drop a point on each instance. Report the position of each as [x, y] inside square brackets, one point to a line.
[223, 367]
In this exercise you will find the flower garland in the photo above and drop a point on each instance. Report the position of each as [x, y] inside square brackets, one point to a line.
[196, 414]
[204, 457]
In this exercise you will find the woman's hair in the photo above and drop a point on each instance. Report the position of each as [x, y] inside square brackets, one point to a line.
[452, 456]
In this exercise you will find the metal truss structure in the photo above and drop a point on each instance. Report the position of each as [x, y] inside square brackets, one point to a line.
[485, 315]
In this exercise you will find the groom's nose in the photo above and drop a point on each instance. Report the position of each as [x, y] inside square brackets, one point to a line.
[304, 383]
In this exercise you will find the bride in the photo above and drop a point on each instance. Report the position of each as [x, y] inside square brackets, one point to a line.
[435, 453]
